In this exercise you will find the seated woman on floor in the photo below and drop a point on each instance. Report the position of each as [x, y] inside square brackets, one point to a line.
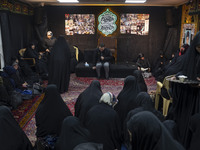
[51, 113]
[14, 76]
[103, 123]
[145, 126]
[74, 136]
[12, 137]
[87, 99]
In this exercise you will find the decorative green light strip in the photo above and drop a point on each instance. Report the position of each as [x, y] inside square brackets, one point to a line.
[107, 22]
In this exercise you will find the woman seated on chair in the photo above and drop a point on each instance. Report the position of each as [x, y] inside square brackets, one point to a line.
[32, 52]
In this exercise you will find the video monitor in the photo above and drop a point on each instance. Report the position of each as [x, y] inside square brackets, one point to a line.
[79, 24]
[134, 24]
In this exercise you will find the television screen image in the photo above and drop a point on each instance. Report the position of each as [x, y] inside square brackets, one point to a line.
[79, 24]
[134, 24]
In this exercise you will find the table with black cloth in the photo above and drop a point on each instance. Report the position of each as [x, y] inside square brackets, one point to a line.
[186, 103]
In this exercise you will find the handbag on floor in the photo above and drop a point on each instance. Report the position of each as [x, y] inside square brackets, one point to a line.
[16, 99]
[46, 143]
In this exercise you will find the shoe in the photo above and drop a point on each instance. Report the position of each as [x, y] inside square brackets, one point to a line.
[98, 78]
[107, 78]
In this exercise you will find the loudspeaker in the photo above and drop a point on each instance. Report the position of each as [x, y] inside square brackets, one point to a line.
[39, 13]
[169, 17]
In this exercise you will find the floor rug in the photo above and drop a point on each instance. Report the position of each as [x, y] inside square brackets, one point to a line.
[76, 86]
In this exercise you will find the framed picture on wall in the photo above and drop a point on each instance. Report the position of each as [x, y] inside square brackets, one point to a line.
[188, 33]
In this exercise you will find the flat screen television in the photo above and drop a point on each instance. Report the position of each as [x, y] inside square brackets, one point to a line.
[79, 24]
[134, 24]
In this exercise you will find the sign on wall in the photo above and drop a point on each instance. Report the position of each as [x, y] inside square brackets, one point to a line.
[107, 22]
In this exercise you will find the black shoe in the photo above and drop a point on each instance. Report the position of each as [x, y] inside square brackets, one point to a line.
[107, 78]
[98, 78]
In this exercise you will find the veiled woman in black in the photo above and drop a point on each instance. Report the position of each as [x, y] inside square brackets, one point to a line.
[144, 100]
[141, 83]
[194, 132]
[87, 99]
[127, 98]
[50, 113]
[59, 65]
[191, 66]
[32, 52]
[148, 133]
[72, 134]
[104, 124]
[12, 137]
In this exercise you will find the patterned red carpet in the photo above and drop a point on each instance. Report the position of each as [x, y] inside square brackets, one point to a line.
[25, 114]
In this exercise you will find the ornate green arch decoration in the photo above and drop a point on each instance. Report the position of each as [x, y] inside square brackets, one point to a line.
[107, 22]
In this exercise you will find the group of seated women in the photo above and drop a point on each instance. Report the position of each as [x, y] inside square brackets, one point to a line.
[101, 122]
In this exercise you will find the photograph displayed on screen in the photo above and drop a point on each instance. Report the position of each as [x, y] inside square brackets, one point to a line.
[134, 24]
[79, 24]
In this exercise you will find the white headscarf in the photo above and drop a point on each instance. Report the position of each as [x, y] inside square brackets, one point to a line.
[109, 99]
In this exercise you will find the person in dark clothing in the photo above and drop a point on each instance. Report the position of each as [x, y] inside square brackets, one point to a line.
[159, 65]
[182, 50]
[104, 124]
[5, 98]
[49, 41]
[72, 134]
[192, 60]
[141, 83]
[143, 63]
[171, 127]
[32, 52]
[127, 97]
[148, 133]
[50, 113]
[59, 65]
[102, 57]
[12, 137]
[144, 100]
[195, 132]
[87, 99]
[175, 65]
[24, 68]
[14, 77]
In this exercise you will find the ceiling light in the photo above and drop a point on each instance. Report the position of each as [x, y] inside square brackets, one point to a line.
[68, 1]
[135, 1]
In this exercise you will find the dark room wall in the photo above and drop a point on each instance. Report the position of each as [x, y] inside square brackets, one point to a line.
[128, 46]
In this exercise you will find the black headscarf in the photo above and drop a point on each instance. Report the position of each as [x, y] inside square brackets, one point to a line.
[88, 98]
[59, 65]
[72, 134]
[127, 97]
[12, 137]
[125, 134]
[192, 60]
[104, 124]
[50, 113]
[148, 133]
[144, 100]
[195, 132]
[141, 83]
[171, 127]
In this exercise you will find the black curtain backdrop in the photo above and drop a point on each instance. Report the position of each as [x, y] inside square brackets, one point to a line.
[170, 42]
[17, 32]
[128, 46]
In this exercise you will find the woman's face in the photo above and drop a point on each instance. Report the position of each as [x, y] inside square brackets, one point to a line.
[33, 46]
[198, 48]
